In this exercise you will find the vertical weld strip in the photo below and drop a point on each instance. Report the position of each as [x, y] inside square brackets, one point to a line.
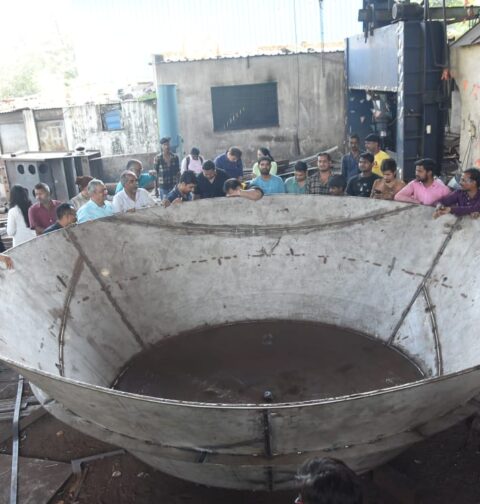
[267, 435]
[105, 289]
[77, 271]
[427, 276]
[436, 337]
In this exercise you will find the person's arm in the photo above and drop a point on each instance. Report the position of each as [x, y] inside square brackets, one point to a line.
[117, 204]
[349, 190]
[7, 261]
[281, 187]
[11, 223]
[374, 194]
[240, 169]
[253, 194]
[183, 166]
[406, 195]
[345, 167]
[33, 223]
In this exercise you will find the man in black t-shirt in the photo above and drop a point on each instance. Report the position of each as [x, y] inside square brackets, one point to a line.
[361, 185]
[210, 181]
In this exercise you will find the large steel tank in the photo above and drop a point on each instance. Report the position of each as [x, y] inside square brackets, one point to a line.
[82, 302]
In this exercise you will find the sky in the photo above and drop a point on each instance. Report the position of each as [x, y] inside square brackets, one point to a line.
[114, 39]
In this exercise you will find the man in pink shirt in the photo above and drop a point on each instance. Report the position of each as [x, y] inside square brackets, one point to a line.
[43, 213]
[425, 189]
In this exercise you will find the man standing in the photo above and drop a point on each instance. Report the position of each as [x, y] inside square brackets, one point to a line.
[183, 190]
[389, 185]
[42, 214]
[350, 160]
[464, 201]
[318, 183]
[145, 180]
[210, 181]
[231, 163]
[372, 144]
[269, 184]
[361, 185]
[167, 167]
[296, 184]
[66, 216]
[425, 189]
[193, 161]
[97, 207]
[131, 197]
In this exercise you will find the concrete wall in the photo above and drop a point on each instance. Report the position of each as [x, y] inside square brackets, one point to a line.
[83, 125]
[309, 105]
[466, 71]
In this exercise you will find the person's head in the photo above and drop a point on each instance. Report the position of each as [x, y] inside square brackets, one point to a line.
[372, 143]
[328, 481]
[187, 182]
[82, 183]
[264, 152]
[264, 165]
[365, 162]
[337, 185]
[470, 180]
[354, 142]
[135, 166]
[232, 186]
[129, 181]
[324, 161]
[301, 170]
[234, 154]
[66, 214]
[97, 191]
[19, 196]
[165, 144]
[425, 169]
[42, 193]
[195, 153]
[389, 169]
[208, 169]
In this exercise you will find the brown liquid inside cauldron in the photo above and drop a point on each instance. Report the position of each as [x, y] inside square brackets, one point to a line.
[294, 361]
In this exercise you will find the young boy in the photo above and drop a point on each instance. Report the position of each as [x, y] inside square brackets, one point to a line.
[386, 187]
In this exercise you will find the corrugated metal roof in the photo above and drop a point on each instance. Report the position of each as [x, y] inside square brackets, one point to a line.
[471, 37]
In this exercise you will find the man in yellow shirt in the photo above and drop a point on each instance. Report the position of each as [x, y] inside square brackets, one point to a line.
[372, 144]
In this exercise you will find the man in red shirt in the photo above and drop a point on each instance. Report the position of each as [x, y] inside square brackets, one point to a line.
[42, 214]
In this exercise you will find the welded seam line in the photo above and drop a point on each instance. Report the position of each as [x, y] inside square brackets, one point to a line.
[105, 289]
[15, 444]
[267, 433]
[252, 229]
[427, 276]
[77, 271]
[436, 338]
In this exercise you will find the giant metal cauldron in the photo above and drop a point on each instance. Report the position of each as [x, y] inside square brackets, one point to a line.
[82, 302]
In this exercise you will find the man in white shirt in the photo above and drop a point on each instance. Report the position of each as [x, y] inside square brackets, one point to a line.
[131, 197]
[192, 162]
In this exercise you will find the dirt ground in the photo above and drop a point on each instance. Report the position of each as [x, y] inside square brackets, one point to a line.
[443, 470]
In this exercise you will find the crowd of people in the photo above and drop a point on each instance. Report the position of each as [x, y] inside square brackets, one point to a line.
[369, 174]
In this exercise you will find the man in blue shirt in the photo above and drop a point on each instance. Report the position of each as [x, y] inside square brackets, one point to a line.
[183, 190]
[350, 160]
[269, 184]
[97, 207]
[231, 163]
[145, 180]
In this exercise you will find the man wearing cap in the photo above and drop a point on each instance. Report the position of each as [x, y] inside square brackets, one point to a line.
[82, 197]
[131, 197]
[66, 216]
[372, 144]
[425, 189]
[167, 166]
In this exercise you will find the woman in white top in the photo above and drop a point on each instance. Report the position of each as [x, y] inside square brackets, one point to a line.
[18, 226]
[264, 152]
